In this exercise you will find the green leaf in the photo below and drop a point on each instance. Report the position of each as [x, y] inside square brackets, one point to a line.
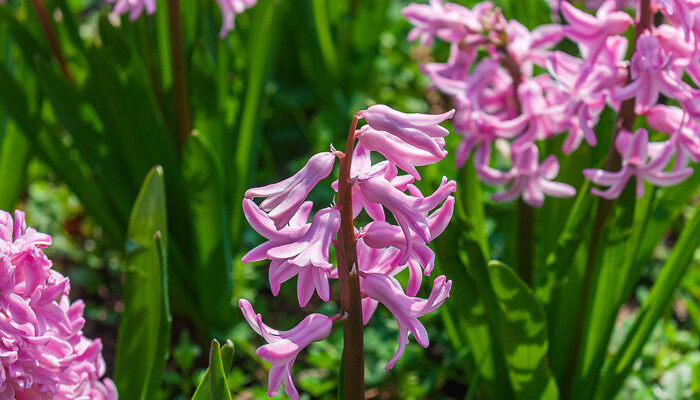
[203, 176]
[474, 307]
[14, 157]
[261, 42]
[144, 332]
[656, 303]
[525, 337]
[214, 384]
[608, 292]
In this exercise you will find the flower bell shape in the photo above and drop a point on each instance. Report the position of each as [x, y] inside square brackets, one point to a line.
[362, 168]
[653, 73]
[43, 353]
[133, 7]
[406, 309]
[532, 180]
[684, 132]
[229, 10]
[283, 199]
[591, 32]
[308, 257]
[636, 162]
[283, 347]
[449, 22]
[409, 211]
[421, 131]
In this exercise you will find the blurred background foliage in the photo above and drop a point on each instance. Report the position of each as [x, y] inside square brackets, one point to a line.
[79, 138]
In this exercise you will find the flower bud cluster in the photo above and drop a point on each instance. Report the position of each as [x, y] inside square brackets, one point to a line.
[513, 89]
[384, 247]
[43, 353]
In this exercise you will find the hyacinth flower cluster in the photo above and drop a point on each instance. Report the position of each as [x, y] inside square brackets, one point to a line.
[229, 10]
[367, 258]
[43, 353]
[513, 90]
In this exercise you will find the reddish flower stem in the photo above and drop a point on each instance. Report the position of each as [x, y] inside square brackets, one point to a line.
[177, 56]
[350, 298]
[47, 27]
[625, 120]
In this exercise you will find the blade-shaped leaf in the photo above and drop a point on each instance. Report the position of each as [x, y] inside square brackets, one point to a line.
[205, 187]
[14, 157]
[525, 336]
[214, 385]
[655, 304]
[143, 338]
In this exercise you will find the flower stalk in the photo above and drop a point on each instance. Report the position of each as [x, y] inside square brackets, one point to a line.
[348, 279]
[177, 56]
[51, 37]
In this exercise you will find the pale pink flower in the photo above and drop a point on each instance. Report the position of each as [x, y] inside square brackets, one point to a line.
[637, 162]
[406, 309]
[653, 73]
[308, 257]
[283, 199]
[133, 7]
[283, 347]
[229, 10]
[449, 22]
[418, 130]
[684, 132]
[684, 13]
[591, 32]
[533, 180]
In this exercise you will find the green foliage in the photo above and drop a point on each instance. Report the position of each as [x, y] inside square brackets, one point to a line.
[144, 331]
[214, 385]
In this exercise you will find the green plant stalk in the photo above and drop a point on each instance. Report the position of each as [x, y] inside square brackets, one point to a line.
[625, 120]
[47, 27]
[177, 55]
[349, 281]
[526, 242]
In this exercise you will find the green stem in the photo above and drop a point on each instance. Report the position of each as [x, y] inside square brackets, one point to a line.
[526, 242]
[349, 281]
[177, 55]
[625, 120]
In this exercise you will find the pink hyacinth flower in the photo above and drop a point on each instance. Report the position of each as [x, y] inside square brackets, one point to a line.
[409, 211]
[418, 130]
[449, 22]
[590, 31]
[283, 199]
[283, 347]
[636, 162]
[362, 168]
[229, 10]
[402, 154]
[532, 180]
[684, 132]
[307, 257]
[653, 73]
[406, 309]
[683, 13]
[133, 7]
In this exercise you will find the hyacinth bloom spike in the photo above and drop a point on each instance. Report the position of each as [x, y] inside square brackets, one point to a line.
[636, 162]
[283, 347]
[406, 309]
[229, 10]
[43, 353]
[532, 180]
[133, 7]
[283, 199]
